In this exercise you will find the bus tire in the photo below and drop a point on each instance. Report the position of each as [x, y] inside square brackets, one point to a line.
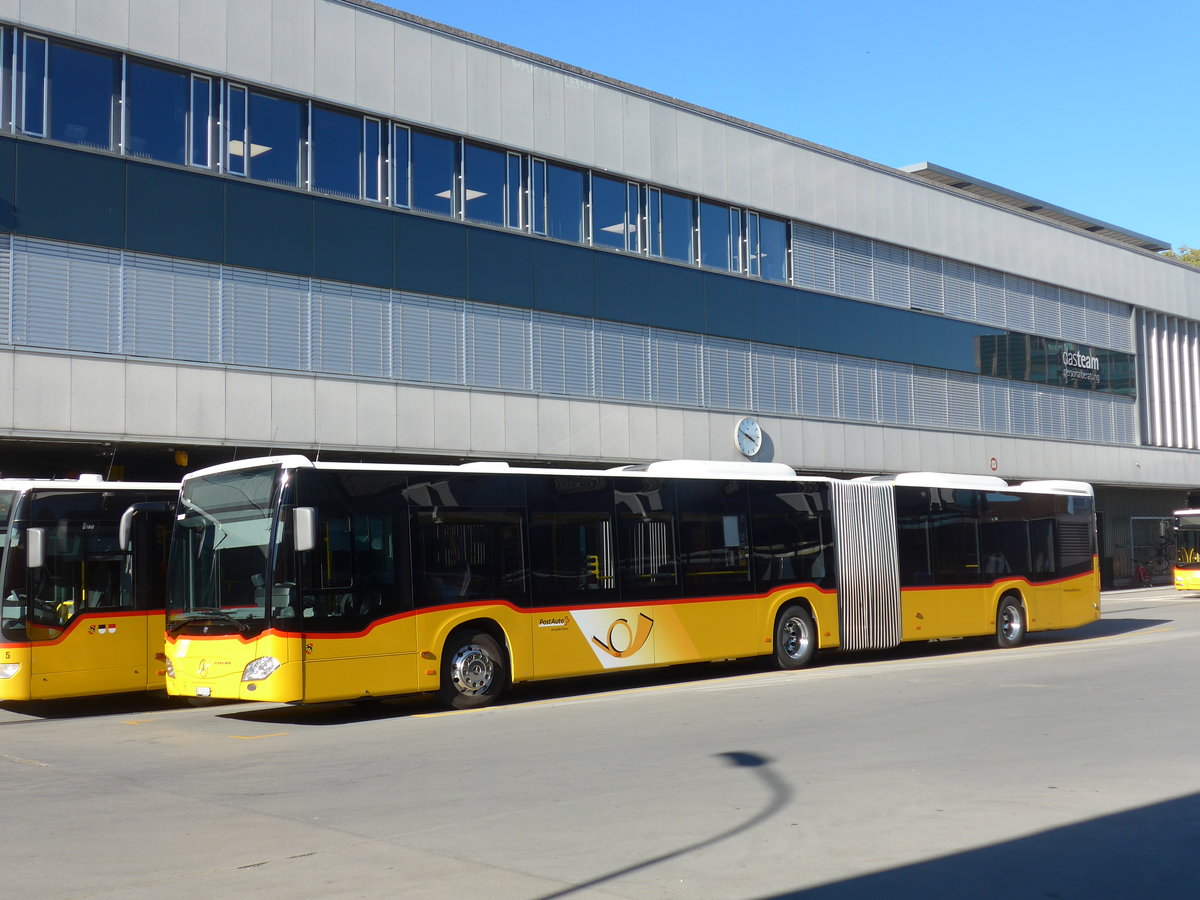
[1010, 622]
[474, 671]
[795, 638]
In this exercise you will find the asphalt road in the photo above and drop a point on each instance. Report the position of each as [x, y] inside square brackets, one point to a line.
[1064, 768]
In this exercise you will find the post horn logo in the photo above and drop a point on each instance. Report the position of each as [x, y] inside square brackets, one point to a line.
[623, 641]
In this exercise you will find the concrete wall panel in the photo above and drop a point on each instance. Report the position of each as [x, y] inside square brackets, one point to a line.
[294, 40]
[516, 103]
[375, 406]
[584, 425]
[449, 82]
[374, 65]
[107, 22]
[151, 404]
[614, 431]
[336, 413]
[549, 129]
[248, 408]
[414, 416]
[689, 153]
[637, 136]
[40, 384]
[53, 15]
[203, 25]
[7, 364]
[553, 426]
[714, 160]
[609, 131]
[520, 425]
[293, 410]
[643, 434]
[153, 26]
[487, 424]
[334, 53]
[247, 40]
[579, 120]
[485, 107]
[452, 422]
[200, 404]
[412, 55]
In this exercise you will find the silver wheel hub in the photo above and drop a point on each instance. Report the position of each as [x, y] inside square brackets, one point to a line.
[795, 637]
[472, 670]
[1011, 622]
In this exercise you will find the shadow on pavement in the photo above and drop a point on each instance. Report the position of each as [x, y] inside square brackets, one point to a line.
[1144, 852]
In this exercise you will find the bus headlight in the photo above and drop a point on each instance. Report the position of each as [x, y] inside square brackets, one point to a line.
[258, 669]
[170, 667]
[8, 670]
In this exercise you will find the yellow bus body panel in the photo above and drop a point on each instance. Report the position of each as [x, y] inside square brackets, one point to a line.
[96, 653]
[1187, 579]
[403, 654]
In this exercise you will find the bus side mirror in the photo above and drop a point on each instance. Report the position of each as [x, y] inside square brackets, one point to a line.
[35, 548]
[304, 528]
[125, 529]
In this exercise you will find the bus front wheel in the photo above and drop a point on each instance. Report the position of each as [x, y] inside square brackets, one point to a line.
[795, 638]
[474, 673]
[1010, 623]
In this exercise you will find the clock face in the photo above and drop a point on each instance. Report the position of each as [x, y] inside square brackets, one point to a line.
[748, 436]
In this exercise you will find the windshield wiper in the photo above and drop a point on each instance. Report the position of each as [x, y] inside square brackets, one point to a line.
[199, 615]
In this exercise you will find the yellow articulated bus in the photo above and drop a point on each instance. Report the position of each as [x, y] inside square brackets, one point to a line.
[83, 575]
[1187, 550]
[294, 581]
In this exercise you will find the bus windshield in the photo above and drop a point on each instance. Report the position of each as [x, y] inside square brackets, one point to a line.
[11, 604]
[221, 550]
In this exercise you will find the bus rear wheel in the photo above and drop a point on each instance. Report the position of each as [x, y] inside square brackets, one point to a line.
[474, 673]
[795, 638]
[1010, 623]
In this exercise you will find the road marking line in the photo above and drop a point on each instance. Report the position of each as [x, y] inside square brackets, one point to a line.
[255, 737]
[25, 762]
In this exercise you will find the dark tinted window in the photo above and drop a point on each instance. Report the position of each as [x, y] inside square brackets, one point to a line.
[954, 532]
[81, 96]
[677, 227]
[483, 185]
[355, 574]
[715, 236]
[434, 161]
[275, 128]
[645, 509]
[571, 540]
[791, 533]
[912, 536]
[714, 536]
[564, 203]
[337, 146]
[1004, 536]
[772, 249]
[156, 113]
[609, 222]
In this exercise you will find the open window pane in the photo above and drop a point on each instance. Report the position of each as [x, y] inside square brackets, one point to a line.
[275, 128]
[372, 158]
[336, 152]
[483, 185]
[514, 192]
[434, 165]
[235, 126]
[632, 218]
[156, 113]
[538, 193]
[201, 121]
[401, 195]
[81, 96]
[608, 213]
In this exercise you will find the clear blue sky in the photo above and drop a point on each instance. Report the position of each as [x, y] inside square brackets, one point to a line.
[1087, 105]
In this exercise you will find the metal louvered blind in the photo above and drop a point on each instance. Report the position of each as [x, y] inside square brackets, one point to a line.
[864, 521]
[677, 367]
[622, 361]
[429, 340]
[852, 266]
[727, 374]
[499, 347]
[563, 360]
[812, 257]
[773, 379]
[6, 289]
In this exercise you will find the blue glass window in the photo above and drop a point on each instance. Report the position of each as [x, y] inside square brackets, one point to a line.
[609, 222]
[201, 122]
[564, 203]
[372, 158]
[337, 140]
[537, 191]
[33, 97]
[484, 176]
[677, 227]
[6, 65]
[514, 193]
[434, 165]
[400, 167]
[82, 83]
[714, 236]
[772, 244]
[156, 113]
[275, 126]
[235, 126]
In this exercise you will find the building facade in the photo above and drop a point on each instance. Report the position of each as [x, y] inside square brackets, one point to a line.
[230, 227]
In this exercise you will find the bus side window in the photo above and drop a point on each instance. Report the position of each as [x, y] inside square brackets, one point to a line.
[571, 556]
[646, 553]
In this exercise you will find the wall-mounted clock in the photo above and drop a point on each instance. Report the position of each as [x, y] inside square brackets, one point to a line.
[748, 436]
